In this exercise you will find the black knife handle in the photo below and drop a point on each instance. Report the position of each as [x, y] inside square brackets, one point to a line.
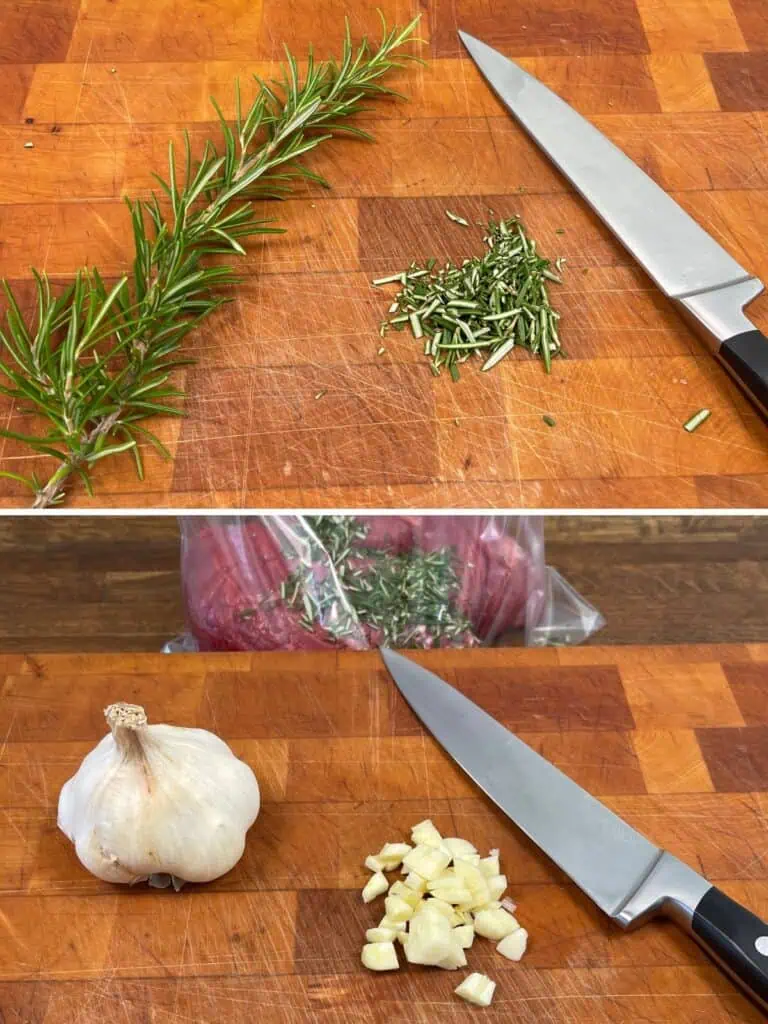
[746, 358]
[734, 937]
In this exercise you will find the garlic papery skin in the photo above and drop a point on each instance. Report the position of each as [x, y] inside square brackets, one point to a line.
[158, 799]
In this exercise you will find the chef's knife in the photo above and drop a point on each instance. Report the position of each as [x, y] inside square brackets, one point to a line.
[707, 285]
[628, 877]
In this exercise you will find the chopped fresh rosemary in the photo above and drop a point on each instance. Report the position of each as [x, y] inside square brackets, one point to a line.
[485, 307]
[409, 600]
[696, 420]
[549, 420]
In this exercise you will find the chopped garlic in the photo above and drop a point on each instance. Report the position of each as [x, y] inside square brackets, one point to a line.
[427, 861]
[452, 895]
[373, 863]
[394, 926]
[497, 886]
[375, 886]
[472, 877]
[513, 946]
[490, 865]
[391, 854]
[397, 909]
[438, 906]
[380, 935]
[459, 847]
[470, 858]
[465, 934]
[415, 882]
[409, 895]
[429, 940]
[380, 956]
[443, 880]
[477, 989]
[455, 958]
[425, 834]
[495, 923]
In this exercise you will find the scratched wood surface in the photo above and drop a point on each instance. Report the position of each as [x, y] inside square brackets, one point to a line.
[674, 739]
[98, 87]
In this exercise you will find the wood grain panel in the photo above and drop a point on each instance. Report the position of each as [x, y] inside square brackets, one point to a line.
[99, 87]
[341, 773]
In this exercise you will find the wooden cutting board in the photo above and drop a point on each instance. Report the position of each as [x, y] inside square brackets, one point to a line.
[674, 739]
[99, 86]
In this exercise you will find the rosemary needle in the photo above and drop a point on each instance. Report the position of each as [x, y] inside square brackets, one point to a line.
[696, 420]
[549, 420]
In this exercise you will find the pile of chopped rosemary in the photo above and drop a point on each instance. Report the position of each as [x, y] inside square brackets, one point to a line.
[409, 598]
[485, 308]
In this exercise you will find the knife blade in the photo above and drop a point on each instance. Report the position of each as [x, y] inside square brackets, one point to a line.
[708, 286]
[627, 876]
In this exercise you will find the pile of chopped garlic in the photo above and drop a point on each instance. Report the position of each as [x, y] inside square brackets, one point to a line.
[449, 894]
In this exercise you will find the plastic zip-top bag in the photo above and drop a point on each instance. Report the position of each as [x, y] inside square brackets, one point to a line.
[291, 582]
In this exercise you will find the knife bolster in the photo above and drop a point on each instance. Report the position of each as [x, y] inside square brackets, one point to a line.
[670, 888]
[717, 314]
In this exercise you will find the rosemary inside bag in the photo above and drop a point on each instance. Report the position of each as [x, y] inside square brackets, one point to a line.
[483, 308]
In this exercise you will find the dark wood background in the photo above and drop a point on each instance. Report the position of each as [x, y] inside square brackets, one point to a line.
[112, 584]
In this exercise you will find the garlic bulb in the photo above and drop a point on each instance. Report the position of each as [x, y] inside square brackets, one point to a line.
[152, 801]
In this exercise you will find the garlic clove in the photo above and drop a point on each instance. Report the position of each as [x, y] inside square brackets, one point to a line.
[425, 834]
[477, 989]
[415, 882]
[152, 800]
[397, 909]
[497, 886]
[373, 863]
[465, 935]
[495, 923]
[427, 861]
[393, 926]
[453, 896]
[409, 895]
[391, 855]
[375, 886]
[514, 945]
[429, 940]
[380, 956]
[490, 865]
[455, 959]
[459, 847]
[380, 935]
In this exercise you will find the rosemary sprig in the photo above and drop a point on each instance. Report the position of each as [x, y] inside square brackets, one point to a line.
[98, 360]
[486, 307]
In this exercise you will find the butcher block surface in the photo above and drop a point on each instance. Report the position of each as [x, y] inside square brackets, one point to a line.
[673, 739]
[99, 86]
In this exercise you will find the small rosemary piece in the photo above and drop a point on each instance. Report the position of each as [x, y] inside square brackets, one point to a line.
[409, 599]
[96, 361]
[485, 307]
[549, 420]
[696, 420]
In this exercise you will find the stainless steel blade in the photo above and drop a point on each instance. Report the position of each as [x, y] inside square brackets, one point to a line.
[680, 256]
[603, 855]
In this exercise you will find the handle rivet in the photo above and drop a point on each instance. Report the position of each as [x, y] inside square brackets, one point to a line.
[761, 945]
